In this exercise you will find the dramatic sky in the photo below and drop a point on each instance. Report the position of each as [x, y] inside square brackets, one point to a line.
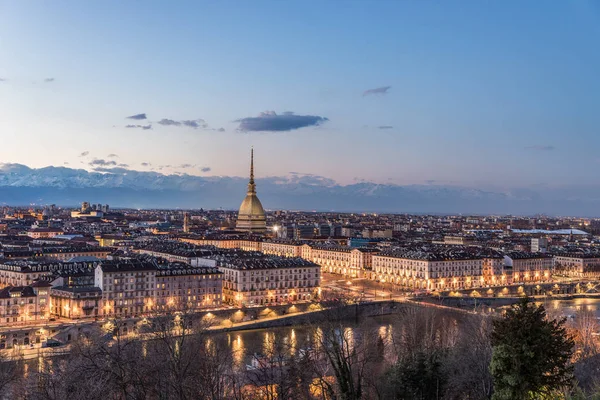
[471, 93]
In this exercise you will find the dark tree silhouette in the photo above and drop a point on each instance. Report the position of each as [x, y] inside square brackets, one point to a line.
[531, 354]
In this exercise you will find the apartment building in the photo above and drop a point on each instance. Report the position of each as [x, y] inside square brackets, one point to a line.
[182, 286]
[20, 304]
[128, 286]
[578, 265]
[430, 269]
[347, 261]
[282, 247]
[253, 278]
[529, 267]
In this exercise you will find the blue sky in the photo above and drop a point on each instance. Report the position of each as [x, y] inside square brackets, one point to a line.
[481, 94]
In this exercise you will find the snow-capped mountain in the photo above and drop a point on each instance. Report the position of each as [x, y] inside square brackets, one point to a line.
[122, 187]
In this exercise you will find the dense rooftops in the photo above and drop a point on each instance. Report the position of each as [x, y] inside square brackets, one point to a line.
[128, 265]
[19, 291]
[441, 253]
[522, 255]
[184, 269]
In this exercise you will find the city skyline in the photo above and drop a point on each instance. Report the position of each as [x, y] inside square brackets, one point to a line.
[498, 98]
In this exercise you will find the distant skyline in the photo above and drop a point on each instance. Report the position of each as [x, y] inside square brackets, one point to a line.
[486, 95]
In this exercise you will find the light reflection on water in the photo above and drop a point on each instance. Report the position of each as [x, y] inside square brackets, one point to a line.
[572, 307]
[287, 341]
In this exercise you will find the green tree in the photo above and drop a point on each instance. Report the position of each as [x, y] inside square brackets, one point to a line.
[531, 354]
[421, 377]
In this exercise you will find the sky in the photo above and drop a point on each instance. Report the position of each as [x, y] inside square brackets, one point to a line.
[467, 93]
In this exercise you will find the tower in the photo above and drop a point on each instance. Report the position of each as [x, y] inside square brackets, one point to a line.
[251, 216]
[186, 222]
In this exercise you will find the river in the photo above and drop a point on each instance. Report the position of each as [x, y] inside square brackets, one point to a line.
[244, 344]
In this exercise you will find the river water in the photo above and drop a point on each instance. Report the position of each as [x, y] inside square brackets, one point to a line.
[569, 308]
[244, 344]
[294, 340]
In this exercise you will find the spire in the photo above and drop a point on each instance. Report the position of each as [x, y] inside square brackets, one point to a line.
[251, 185]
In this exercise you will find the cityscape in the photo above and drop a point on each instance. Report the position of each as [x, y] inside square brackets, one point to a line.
[424, 225]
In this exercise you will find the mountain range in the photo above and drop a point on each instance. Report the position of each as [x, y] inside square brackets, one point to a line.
[121, 187]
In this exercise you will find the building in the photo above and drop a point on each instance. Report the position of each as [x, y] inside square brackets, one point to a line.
[251, 216]
[282, 247]
[529, 267]
[458, 240]
[347, 261]
[252, 278]
[75, 302]
[44, 233]
[182, 286]
[377, 233]
[186, 222]
[578, 265]
[128, 286]
[429, 269]
[539, 245]
[22, 304]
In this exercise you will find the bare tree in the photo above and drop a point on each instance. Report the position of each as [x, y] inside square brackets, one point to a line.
[11, 372]
[344, 359]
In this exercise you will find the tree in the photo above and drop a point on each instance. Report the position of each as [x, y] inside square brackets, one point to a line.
[531, 354]
[421, 377]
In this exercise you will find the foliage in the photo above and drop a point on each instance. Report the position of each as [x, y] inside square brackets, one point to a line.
[531, 354]
[420, 378]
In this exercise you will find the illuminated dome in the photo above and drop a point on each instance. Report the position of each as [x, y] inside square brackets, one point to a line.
[251, 217]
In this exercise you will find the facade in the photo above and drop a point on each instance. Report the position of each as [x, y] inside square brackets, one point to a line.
[529, 267]
[181, 286]
[256, 279]
[458, 240]
[578, 265]
[251, 216]
[429, 270]
[493, 270]
[44, 233]
[539, 245]
[347, 261]
[282, 247]
[76, 302]
[22, 304]
[25, 273]
[128, 287]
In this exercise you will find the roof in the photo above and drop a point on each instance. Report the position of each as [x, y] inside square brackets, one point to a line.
[127, 265]
[251, 207]
[24, 291]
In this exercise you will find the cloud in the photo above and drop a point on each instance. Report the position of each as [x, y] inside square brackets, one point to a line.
[137, 116]
[3, 80]
[195, 123]
[190, 123]
[102, 163]
[83, 154]
[48, 80]
[270, 121]
[145, 164]
[205, 169]
[65, 163]
[379, 90]
[185, 166]
[144, 127]
[169, 122]
[221, 129]
[123, 165]
[540, 148]
[385, 127]
[116, 170]
[112, 155]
